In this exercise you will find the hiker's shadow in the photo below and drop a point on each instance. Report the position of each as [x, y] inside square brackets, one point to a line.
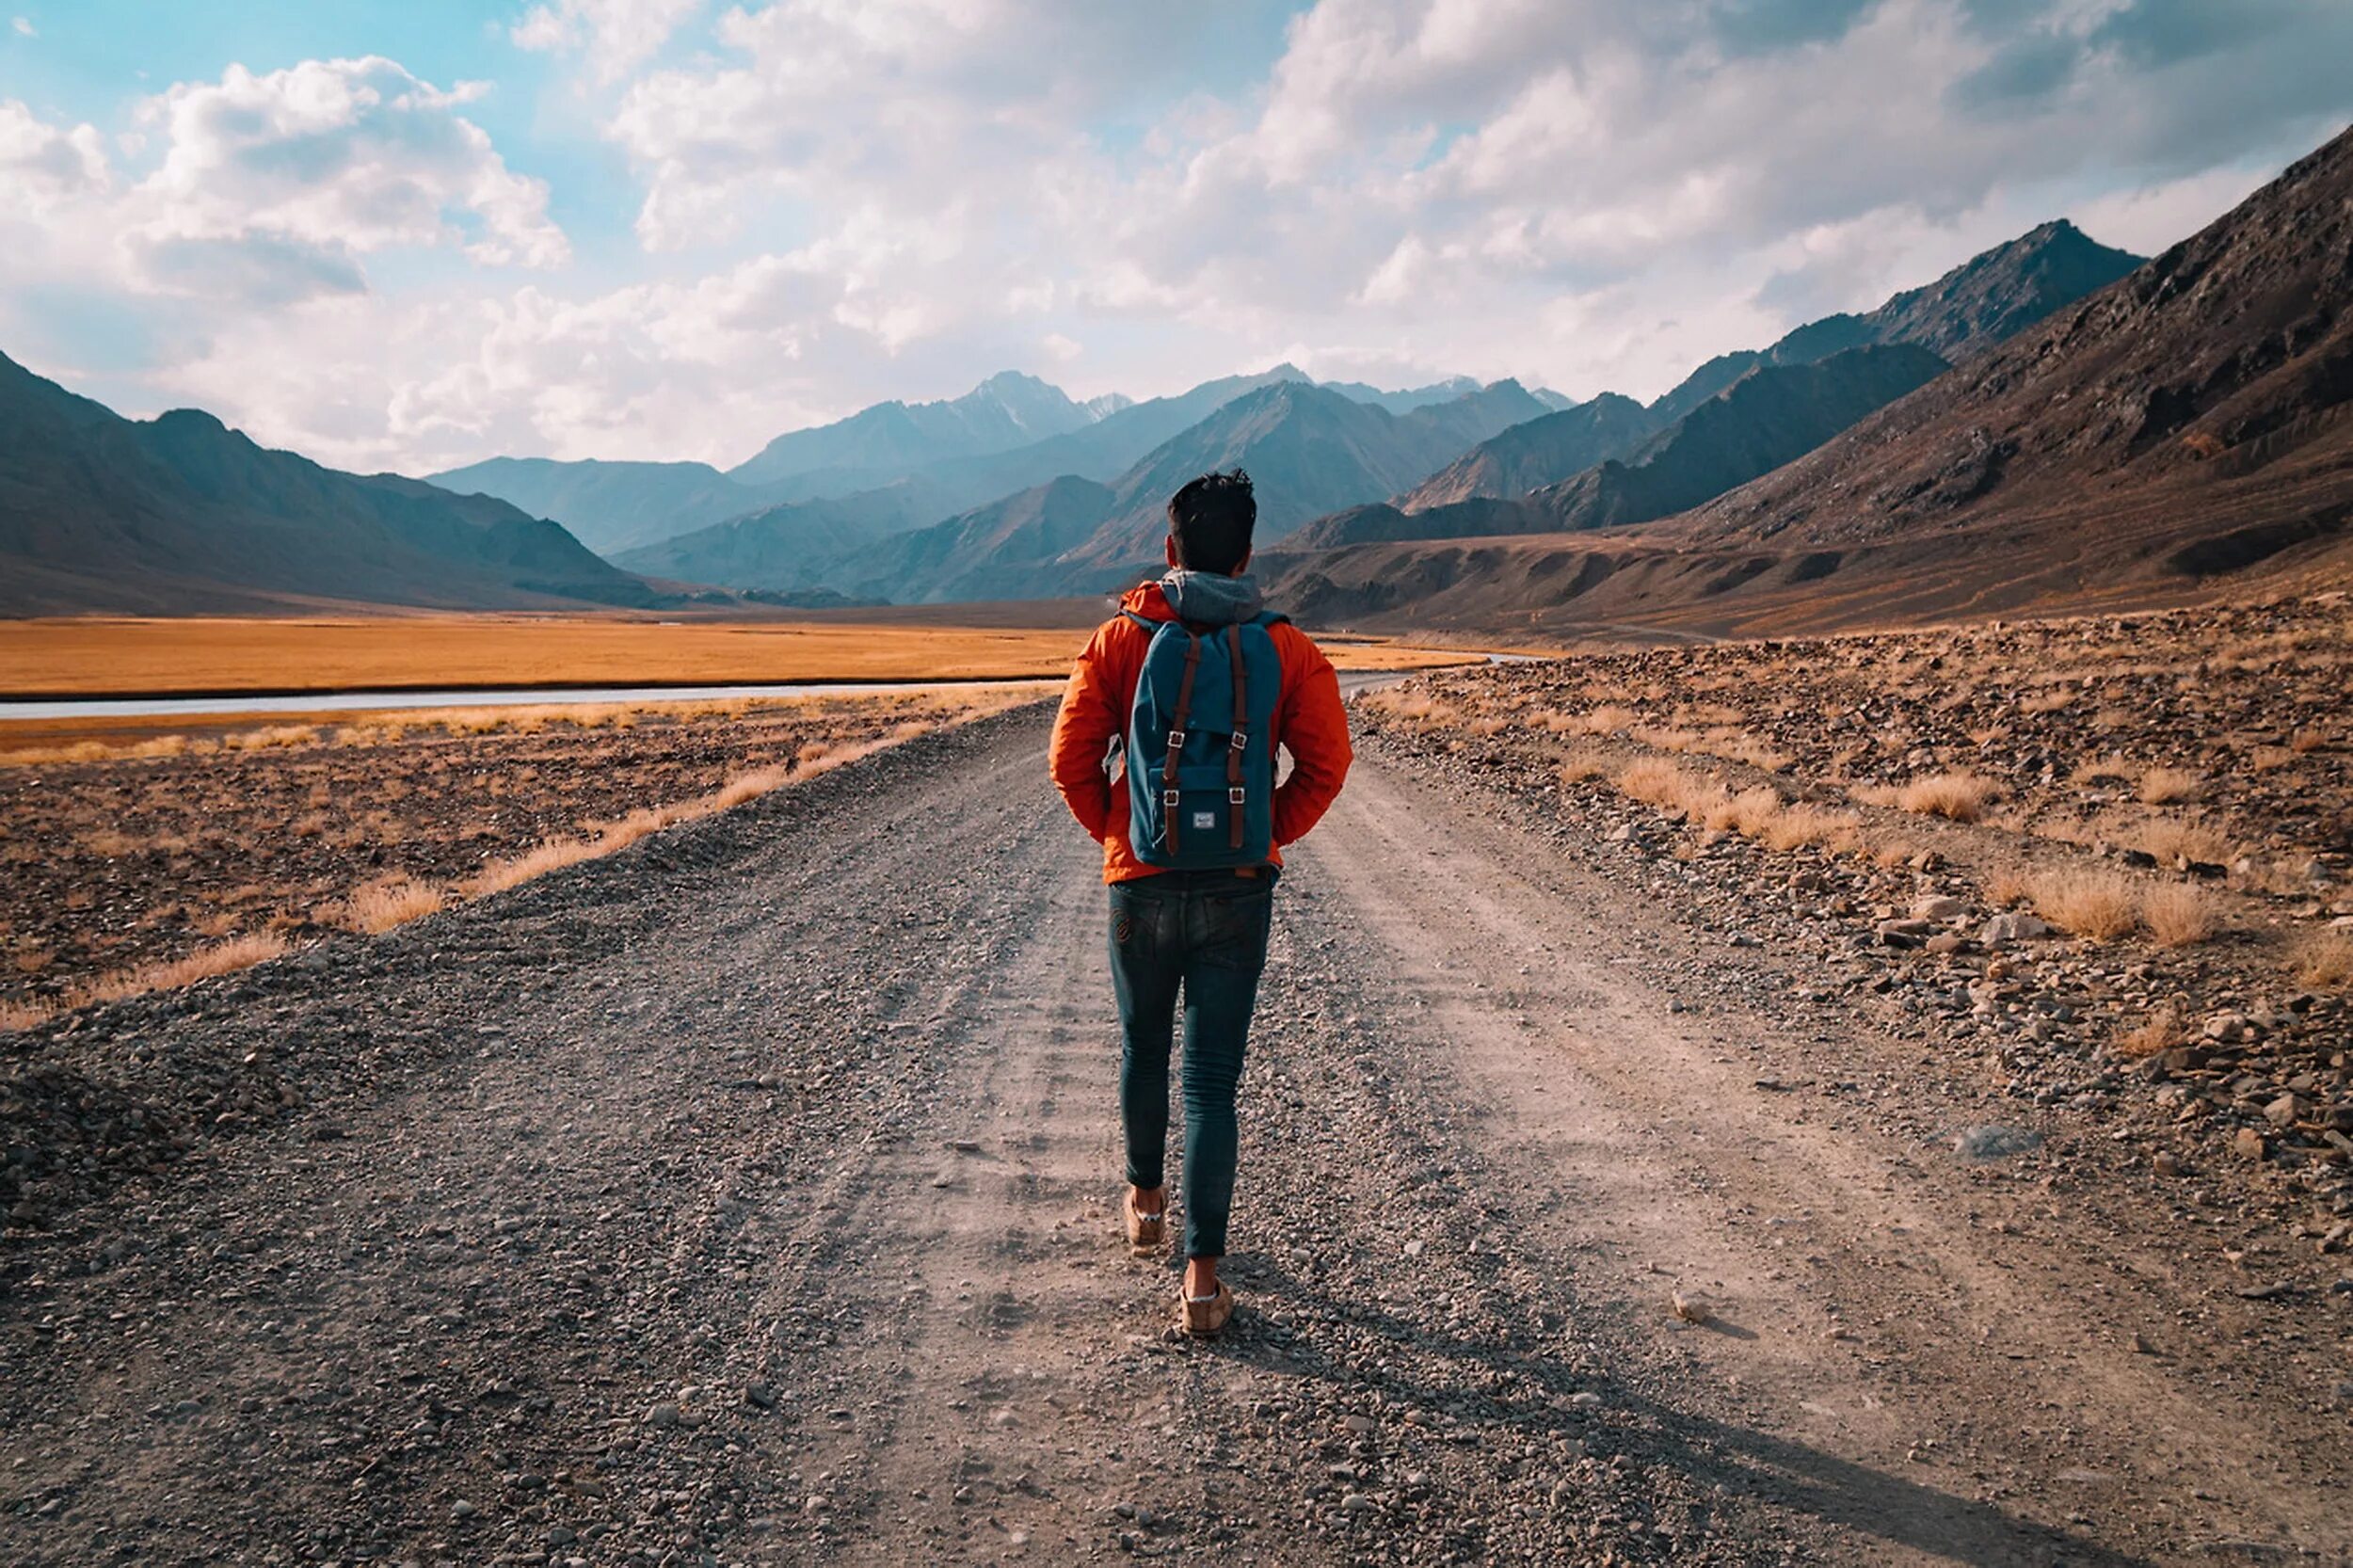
[1278, 1331]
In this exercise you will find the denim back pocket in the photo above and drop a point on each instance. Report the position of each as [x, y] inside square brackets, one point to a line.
[1232, 929]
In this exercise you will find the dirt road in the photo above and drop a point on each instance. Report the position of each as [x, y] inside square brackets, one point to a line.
[747, 1197]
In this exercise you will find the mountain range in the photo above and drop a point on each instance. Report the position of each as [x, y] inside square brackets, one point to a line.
[1008, 434]
[1979, 303]
[1307, 448]
[2187, 428]
[179, 514]
[1769, 416]
[2048, 423]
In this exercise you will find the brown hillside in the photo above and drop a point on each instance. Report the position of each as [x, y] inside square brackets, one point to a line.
[2188, 430]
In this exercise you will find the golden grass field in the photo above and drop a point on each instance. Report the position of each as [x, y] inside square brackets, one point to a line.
[84, 656]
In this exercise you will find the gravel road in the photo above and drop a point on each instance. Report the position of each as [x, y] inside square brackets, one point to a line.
[749, 1196]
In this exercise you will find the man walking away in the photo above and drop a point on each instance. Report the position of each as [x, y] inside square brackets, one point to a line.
[1199, 686]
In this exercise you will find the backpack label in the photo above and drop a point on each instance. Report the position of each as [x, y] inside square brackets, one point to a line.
[1204, 819]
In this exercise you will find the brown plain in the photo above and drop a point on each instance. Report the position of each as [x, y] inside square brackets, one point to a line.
[125, 869]
[81, 656]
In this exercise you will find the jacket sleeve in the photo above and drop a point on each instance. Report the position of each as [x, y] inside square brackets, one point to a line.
[1315, 732]
[1083, 729]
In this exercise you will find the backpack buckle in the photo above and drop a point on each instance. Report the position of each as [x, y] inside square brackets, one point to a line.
[1176, 739]
[1168, 798]
[1234, 796]
[1239, 739]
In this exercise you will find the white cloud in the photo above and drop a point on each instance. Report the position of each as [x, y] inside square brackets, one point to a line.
[840, 201]
[42, 163]
[335, 159]
[23, 25]
[617, 35]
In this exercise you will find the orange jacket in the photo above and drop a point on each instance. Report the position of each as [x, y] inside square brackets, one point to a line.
[1309, 723]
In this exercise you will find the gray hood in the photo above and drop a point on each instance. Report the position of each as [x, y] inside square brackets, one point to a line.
[1211, 598]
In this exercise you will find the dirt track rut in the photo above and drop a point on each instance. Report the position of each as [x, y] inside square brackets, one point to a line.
[747, 1197]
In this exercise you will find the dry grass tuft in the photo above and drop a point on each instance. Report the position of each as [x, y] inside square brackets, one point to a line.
[2179, 915]
[607, 837]
[97, 751]
[554, 855]
[1656, 781]
[1578, 768]
[1959, 797]
[1747, 813]
[2165, 786]
[2177, 841]
[2099, 904]
[2007, 886]
[1758, 754]
[23, 1014]
[2324, 960]
[1795, 826]
[745, 786]
[241, 953]
[379, 907]
[1889, 853]
[2160, 1031]
[276, 735]
[1423, 710]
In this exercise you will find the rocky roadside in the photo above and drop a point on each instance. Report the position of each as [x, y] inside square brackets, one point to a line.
[2245, 1115]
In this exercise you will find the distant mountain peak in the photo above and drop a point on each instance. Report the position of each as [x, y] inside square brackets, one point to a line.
[197, 419]
[1010, 408]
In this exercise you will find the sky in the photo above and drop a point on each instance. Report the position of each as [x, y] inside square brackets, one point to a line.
[409, 234]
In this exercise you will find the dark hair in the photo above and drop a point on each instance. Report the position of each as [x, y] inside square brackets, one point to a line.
[1211, 520]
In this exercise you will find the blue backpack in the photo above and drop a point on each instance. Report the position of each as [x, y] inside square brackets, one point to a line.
[1200, 755]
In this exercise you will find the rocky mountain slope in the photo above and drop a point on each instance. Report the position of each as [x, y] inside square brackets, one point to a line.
[1537, 453]
[2222, 368]
[180, 514]
[2184, 433]
[1768, 417]
[992, 552]
[1979, 303]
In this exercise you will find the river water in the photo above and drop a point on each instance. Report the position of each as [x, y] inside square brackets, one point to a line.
[505, 696]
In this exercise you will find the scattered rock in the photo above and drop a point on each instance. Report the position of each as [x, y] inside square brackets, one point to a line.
[1995, 1141]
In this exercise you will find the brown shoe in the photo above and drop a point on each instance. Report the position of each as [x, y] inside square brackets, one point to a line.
[1146, 1232]
[1204, 1319]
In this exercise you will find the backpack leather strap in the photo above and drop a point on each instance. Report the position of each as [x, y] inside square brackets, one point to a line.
[1178, 721]
[1234, 792]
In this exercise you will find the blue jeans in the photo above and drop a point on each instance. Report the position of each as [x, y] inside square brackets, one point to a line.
[1205, 933]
